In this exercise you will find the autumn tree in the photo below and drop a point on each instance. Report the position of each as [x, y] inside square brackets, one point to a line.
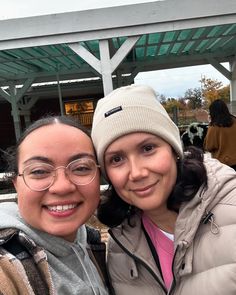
[224, 94]
[183, 103]
[210, 89]
[193, 96]
[170, 104]
[161, 98]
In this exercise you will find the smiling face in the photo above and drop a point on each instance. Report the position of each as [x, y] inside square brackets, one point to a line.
[142, 169]
[61, 209]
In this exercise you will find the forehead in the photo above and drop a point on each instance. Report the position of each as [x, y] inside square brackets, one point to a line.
[56, 138]
[133, 139]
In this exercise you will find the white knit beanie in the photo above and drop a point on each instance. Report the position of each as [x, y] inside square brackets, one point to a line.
[129, 109]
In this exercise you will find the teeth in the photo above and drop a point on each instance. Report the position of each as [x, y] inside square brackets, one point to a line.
[60, 208]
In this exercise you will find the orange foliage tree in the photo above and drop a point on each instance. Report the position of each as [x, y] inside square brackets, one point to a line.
[212, 89]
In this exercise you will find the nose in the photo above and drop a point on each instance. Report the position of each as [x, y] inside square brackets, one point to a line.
[137, 169]
[61, 184]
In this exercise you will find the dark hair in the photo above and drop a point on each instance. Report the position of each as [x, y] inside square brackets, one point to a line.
[191, 174]
[220, 115]
[11, 154]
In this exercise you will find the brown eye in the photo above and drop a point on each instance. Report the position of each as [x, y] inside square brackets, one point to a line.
[116, 159]
[37, 171]
[148, 148]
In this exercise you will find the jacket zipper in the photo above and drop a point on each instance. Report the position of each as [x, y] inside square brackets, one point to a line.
[140, 261]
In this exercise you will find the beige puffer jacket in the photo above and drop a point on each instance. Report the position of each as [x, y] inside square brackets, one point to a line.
[205, 250]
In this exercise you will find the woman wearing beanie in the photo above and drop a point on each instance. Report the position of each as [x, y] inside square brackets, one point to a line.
[172, 216]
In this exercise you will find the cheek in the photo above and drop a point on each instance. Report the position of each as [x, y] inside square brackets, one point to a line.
[30, 208]
[166, 166]
[92, 191]
[27, 200]
[165, 161]
[24, 207]
[170, 173]
[22, 195]
[117, 177]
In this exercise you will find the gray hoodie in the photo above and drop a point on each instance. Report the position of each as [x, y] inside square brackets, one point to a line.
[72, 270]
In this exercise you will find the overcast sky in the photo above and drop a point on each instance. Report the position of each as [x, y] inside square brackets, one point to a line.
[174, 82]
[171, 83]
[22, 8]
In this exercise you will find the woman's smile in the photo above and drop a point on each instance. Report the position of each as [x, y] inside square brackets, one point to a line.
[145, 190]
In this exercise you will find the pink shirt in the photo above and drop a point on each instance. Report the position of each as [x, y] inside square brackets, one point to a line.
[164, 248]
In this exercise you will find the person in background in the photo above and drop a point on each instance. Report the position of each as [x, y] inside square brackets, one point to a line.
[172, 215]
[220, 139]
[44, 244]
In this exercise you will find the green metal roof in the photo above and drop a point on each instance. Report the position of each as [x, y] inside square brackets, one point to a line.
[153, 51]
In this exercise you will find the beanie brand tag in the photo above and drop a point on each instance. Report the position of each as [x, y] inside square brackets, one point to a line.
[112, 111]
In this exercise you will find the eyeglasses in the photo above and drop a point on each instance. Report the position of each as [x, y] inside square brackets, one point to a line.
[40, 176]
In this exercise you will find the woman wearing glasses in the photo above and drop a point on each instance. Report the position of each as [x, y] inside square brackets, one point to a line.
[43, 240]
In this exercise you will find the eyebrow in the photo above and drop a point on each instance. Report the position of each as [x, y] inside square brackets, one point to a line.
[72, 158]
[82, 155]
[38, 158]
